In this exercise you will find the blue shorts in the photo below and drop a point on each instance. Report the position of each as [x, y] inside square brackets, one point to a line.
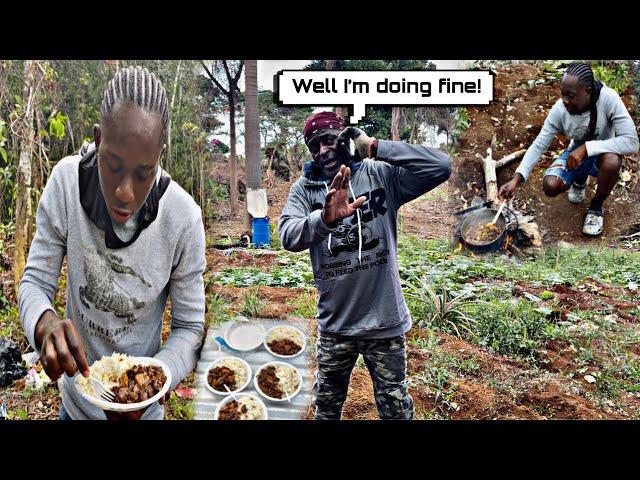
[558, 168]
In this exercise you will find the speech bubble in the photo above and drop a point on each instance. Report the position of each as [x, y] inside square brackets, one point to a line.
[383, 87]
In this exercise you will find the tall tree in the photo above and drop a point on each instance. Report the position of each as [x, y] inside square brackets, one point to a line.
[252, 132]
[228, 72]
[27, 133]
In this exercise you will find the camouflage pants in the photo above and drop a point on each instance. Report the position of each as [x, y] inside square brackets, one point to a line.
[386, 360]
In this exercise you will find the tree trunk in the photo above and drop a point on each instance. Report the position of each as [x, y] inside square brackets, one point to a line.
[23, 199]
[395, 124]
[342, 112]
[233, 160]
[173, 99]
[252, 132]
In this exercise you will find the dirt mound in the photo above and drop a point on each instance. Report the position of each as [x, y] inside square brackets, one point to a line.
[561, 405]
[574, 299]
[275, 302]
[220, 259]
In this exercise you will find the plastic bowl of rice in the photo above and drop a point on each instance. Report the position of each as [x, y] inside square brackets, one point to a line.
[241, 406]
[139, 379]
[285, 341]
[276, 381]
[233, 372]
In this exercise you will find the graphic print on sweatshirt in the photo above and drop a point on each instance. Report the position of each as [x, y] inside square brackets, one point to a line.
[345, 238]
[580, 133]
[103, 292]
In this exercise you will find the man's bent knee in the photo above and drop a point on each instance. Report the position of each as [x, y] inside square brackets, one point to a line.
[552, 186]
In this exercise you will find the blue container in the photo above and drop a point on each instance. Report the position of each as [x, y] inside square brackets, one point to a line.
[260, 232]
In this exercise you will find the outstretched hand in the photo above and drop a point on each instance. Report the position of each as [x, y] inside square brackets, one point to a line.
[336, 205]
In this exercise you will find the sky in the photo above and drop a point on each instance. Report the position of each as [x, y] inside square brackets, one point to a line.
[268, 68]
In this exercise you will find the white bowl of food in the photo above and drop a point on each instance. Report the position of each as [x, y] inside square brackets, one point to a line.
[278, 381]
[241, 406]
[285, 341]
[136, 382]
[232, 372]
[244, 336]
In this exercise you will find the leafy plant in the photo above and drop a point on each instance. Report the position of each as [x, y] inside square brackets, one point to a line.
[306, 305]
[614, 75]
[440, 310]
[253, 304]
[217, 309]
[180, 408]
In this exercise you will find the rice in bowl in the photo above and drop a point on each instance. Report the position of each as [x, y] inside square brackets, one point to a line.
[278, 380]
[284, 341]
[242, 407]
[231, 372]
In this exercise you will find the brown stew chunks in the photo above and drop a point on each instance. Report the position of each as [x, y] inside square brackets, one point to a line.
[284, 347]
[269, 382]
[139, 383]
[232, 411]
[220, 376]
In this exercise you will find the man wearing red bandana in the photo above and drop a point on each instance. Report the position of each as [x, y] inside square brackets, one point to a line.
[344, 210]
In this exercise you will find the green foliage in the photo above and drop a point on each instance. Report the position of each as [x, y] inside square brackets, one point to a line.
[56, 125]
[614, 75]
[217, 309]
[274, 237]
[180, 408]
[438, 310]
[293, 271]
[218, 192]
[306, 305]
[253, 304]
[513, 327]
[3, 140]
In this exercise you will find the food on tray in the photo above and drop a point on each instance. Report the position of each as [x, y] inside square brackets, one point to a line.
[242, 407]
[230, 372]
[277, 380]
[284, 340]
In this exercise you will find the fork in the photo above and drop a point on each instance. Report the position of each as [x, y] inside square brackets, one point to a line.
[102, 391]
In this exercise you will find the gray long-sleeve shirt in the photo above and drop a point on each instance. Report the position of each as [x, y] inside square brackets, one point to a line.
[615, 131]
[362, 299]
[116, 298]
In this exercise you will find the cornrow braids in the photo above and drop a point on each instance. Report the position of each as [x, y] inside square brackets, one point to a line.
[139, 86]
[584, 74]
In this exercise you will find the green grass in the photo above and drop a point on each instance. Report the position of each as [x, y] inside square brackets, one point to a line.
[217, 309]
[10, 324]
[306, 305]
[513, 327]
[569, 266]
[253, 303]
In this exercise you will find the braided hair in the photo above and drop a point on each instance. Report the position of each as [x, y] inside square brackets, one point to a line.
[140, 87]
[585, 77]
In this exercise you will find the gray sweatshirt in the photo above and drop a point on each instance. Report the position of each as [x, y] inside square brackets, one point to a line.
[355, 265]
[615, 131]
[116, 298]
